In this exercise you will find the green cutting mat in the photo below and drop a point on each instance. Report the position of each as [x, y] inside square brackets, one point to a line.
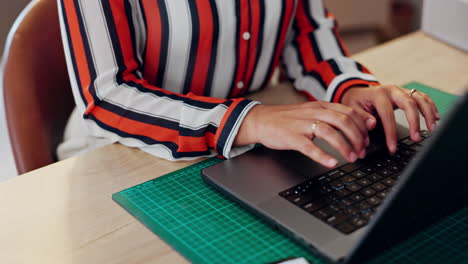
[206, 227]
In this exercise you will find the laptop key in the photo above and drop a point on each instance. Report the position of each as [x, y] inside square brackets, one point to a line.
[351, 211]
[385, 173]
[358, 222]
[331, 198]
[323, 213]
[398, 157]
[389, 181]
[348, 179]
[396, 177]
[338, 184]
[382, 195]
[335, 207]
[313, 206]
[295, 199]
[304, 187]
[378, 186]
[335, 174]
[342, 192]
[324, 179]
[425, 134]
[368, 192]
[363, 205]
[417, 147]
[403, 162]
[408, 142]
[394, 167]
[347, 201]
[286, 193]
[356, 197]
[368, 170]
[406, 152]
[367, 214]
[353, 187]
[336, 219]
[342, 205]
[387, 160]
[359, 174]
[374, 201]
[324, 189]
[364, 182]
[374, 177]
[346, 227]
[350, 167]
[379, 165]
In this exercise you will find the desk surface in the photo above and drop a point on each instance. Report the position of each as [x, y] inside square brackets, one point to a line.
[64, 213]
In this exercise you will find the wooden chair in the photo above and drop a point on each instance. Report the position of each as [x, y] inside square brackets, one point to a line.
[35, 86]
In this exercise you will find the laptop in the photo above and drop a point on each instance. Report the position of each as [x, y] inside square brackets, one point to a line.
[351, 213]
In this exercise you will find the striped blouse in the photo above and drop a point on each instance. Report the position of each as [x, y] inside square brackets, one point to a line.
[168, 76]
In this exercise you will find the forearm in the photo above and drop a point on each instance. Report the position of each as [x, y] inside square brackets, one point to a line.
[117, 102]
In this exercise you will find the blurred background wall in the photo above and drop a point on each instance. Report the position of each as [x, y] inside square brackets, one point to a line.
[9, 10]
[363, 24]
[366, 23]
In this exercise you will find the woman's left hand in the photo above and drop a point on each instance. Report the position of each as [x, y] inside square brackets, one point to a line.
[384, 99]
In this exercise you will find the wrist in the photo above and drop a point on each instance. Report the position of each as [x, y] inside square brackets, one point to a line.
[348, 93]
[247, 132]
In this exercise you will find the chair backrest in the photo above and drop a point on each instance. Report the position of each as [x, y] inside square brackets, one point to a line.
[36, 87]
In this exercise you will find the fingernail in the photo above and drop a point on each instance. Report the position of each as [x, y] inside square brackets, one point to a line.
[392, 148]
[367, 141]
[370, 123]
[416, 136]
[438, 115]
[433, 126]
[362, 154]
[352, 157]
[332, 162]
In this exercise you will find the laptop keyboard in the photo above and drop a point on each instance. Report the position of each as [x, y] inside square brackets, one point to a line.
[347, 197]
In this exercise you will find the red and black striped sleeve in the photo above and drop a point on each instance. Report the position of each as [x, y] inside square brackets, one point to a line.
[315, 57]
[105, 54]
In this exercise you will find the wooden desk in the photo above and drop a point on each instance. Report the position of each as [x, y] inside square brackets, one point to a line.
[64, 213]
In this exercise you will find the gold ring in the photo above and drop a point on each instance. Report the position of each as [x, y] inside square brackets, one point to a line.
[412, 92]
[314, 127]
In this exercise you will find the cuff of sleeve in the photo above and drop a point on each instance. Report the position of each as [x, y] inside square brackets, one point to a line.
[343, 86]
[229, 127]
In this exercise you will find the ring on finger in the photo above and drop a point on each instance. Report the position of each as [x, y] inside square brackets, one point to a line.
[412, 92]
[314, 128]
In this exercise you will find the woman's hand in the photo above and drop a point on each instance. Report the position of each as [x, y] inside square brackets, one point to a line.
[291, 127]
[384, 99]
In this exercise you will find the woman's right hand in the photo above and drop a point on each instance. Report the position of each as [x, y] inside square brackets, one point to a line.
[291, 127]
